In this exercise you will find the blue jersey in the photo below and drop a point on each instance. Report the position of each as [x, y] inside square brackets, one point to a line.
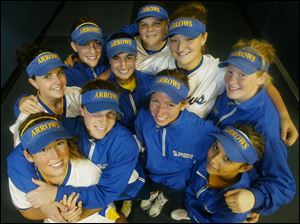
[81, 73]
[205, 204]
[131, 102]
[116, 155]
[276, 184]
[172, 150]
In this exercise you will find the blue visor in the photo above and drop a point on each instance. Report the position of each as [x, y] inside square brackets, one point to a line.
[246, 60]
[37, 137]
[121, 45]
[237, 145]
[87, 32]
[44, 63]
[100, 100]
[187, 27]
[152, 11]
[174, 88]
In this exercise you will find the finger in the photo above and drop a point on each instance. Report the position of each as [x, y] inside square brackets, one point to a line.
[79, 205]
[76, 215]
[38, 182]
[73, 203]
[61, 207]
[64, 200]
[69, 201]
[231, 192]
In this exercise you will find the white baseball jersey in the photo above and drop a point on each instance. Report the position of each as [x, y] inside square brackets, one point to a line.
[206, 82]
[144, 60]
[72, 103]
[83, 173]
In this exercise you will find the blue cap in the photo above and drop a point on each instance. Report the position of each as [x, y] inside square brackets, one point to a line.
[99, 100]
[152, 11]
[237, 145]
[44, 63]
[188, 27]
[174, 88]
[120, 45]
[246, 60]
[37, 137]
[86, 32]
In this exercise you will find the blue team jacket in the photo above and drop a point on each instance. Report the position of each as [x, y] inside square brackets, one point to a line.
[276, 185]
[171, 151]
[205, 204]
[132, 102]
[81, 73]
[116, 155]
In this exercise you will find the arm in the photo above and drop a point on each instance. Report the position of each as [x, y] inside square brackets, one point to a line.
[289, 133]
[105, 75]
[27, 105]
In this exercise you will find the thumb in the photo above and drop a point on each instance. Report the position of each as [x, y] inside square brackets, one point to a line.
[231, 192]
[61, 207]
[38, 182]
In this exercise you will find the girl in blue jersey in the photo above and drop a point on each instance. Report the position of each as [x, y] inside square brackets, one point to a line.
[132, 84]
[229, 159]
[107, 143]
[89, 60]
[48, 150]
[173, 138]
[246, 101]
[46, 75]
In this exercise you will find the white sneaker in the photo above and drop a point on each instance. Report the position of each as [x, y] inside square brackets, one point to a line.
[180, 214]
[146, 204]
[126, 208]
[157, 205]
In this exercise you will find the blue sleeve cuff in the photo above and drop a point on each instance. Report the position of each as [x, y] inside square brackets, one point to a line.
[259, 198]
[16, 106]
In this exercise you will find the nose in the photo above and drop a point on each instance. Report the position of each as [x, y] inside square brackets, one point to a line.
[181, 46]
[54, 153]
[150, 28]
[160, 110]
[58, 79]
[229, 78]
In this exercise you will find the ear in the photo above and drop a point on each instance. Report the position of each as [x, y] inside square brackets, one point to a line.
[28, 156]
[34, 83]
[74, 47]
[203, 38]
[183, 105]
[262, 79]
[82, 110]
[245, 168]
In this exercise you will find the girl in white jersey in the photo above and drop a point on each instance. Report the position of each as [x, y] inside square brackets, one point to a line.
[46, 75]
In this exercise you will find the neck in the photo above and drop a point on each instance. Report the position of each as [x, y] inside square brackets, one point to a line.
[190, 66]
[155, 47]
[127, 81]
[222, 181]
[55, 104]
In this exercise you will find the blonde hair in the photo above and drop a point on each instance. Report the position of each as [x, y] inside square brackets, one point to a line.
[263, 49]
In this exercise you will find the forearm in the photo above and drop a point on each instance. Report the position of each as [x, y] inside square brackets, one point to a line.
[277, 100]
[33, 214]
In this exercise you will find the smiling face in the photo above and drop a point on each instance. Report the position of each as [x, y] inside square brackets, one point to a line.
[152, 31]
[219, 164]
[163, 110]
[187, 52]
[123, 66]
[239, 86]
[52, 161]
[89, 53]
[52, 85]
[100, 123]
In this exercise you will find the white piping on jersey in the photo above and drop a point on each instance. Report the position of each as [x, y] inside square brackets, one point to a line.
[202, 189]
[226, 116]
[163, 142]
[94, 73]
[205, 207]
[196, 219]
[132, 104]
[141, 179]
[141, 148]
[92, 148]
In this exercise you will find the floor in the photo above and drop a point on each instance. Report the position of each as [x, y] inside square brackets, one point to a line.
[219, 42]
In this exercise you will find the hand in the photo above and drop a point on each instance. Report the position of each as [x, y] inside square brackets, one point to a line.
[252, 218]
[53, 211]
[29, 105]
[289, 133]
[104, 75]
[74, 212]
[70, 61]
[239, 200]
[44, 194]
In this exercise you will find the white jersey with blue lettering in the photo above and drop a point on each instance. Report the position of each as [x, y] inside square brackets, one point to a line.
[206, 82]
[144, 60]
[71, 109]
[83, 173]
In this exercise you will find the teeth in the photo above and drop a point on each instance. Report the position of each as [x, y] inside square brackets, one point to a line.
[100, 128]
[57, 164]
[124, 71]
[161, 118]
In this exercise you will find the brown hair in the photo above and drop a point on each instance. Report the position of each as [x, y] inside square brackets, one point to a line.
[176, 73]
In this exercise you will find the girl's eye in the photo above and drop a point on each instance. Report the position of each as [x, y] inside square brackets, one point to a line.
[226, 159]
[155, 101]
[174, 41]
[170, 105]
[47, 76]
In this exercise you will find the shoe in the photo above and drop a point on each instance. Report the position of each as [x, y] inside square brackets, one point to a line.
[126, 208]
[180, 214]
[146, 204]
[157, 205]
